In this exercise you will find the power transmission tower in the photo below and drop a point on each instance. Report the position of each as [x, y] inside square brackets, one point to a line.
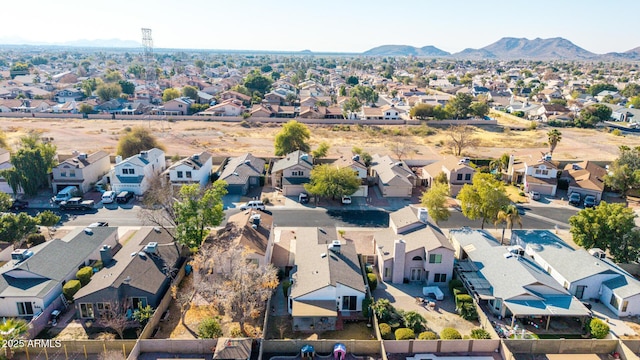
[149, 66]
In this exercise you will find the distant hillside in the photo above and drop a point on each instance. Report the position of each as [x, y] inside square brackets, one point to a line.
[406, 50]
[521, 48]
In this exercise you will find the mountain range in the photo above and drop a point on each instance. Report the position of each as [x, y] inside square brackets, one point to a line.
[509, 48]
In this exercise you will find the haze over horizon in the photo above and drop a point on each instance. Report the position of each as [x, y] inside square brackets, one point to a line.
[330, 26]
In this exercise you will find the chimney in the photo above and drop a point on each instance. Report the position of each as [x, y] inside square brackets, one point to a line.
[118, 159]
[82, 156]
[105, 255]
[399, 254]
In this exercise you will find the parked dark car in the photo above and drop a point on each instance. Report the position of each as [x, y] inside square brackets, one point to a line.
[589, 201]
[574, 199]
[124, 197]
[17, 204]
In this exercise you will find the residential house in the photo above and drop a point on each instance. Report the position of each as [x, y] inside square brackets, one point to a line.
[5, 163]
[233, 349]
[135, 172]
[546, 95]
[235, 95]
[31, 283]
[251, 232]
[385, 112]
[361, 170]
[620, 113]
[292, 172]
[68, 95]
[585, 178]
[81, 171]
[130, 281]
[195, 169]
[588, 275]
[537, 174]
[393, 178]
[262, 110]
[327, 284]
[413, 248]
[9, 105]
[204, 98]
[458, 172]
[275, 98]
[177, 106]
[545, 111]
[505, 282]
[243, 173]
[229, 107]
[320, 112]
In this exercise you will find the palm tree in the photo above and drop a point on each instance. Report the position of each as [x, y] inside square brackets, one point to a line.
[509, 216]
[554, 136]
[12, 329]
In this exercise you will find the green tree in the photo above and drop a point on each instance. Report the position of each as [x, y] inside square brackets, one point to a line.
[421, 111]
[624, 173]
[365, 157]
[595, 89]
[266, 68]
[352, 80]
[137, 140]
[258, 82]
[441, 113]
[32, 163]
[127, 87]
[350, 106]
[321, 151]
[435, 200]
[190, 92]
[170, 94]
[483, 198]
[293, 136]
[479, 109]
[458, 106]
[631, 90]
[508, 216]
[598, 328]
[198, 210]
[554, 136]
[108, 91]
[5, 202]
[199, 64]
[88, 86]
[15, 227]
[209, 328]
[634, 101]
[112, 75]
[480, 334]
[414, 321]
[608, 227]
[342, 91]
[330, 181]
[143, 314]
[592, 115]
[85, 108]
[364, 94]
[10, 331]
[275, 76]
[500, 164]
[137, 70]
[49, 219]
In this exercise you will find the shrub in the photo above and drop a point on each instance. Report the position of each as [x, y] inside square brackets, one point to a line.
[35, 239]
[285, 288]
[450, 334]
[468, 311]
[84, 275]
[453, 284]
[266, 201]
[385, 330]
[480, 334]
[616, 132]
[98, 265]
[373, 281]
[463, 298]
[405, 334]
[459, 291]
[71, 288]
[209, 328]
[428, 335]
[521, 193]
[599, 329]
[366, 304]
[414, 321]
[235, 332]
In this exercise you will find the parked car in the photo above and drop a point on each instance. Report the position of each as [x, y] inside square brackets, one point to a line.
[574, 199]
[255, 205]
[589, 201]
[534, 195]
[124, 197]
[303, 198]
[108, 197]
[17, 204]
[99, 224]
[346, 200]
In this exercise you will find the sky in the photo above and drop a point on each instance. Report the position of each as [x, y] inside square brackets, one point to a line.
[328, 25]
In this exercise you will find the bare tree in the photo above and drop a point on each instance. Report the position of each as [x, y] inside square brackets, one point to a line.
[229, 278]
[114, 316]
[183, 299]
[401, 149]
[158, 207]
[461, 137]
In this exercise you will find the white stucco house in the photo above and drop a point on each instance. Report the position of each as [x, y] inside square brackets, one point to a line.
[81, 171]
[195, 169]
[135, 173]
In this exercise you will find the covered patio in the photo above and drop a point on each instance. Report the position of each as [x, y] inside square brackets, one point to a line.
[314, 315]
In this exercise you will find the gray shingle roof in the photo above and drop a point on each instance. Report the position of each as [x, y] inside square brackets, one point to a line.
[391, 172]
[295, 158]
[239, 169]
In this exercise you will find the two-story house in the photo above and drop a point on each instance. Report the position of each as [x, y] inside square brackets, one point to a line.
[537, 174]
[393, 178]
[413, 248]
[585, 178]
[5, 163]
[177, 106]
[69, 95]
[458, 173]
[81, 171]
[292, 172]
[31, 283]
[386, 112]
[251, 232]
[243, 173]
[230, 107]
[135, 173]
[326, 283]
[359, 168]
[195, 169]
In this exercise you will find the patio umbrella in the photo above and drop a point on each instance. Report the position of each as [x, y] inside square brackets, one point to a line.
[339, 351]
[307, 351]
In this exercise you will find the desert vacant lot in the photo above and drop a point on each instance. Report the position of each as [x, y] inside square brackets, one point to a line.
[188, 137]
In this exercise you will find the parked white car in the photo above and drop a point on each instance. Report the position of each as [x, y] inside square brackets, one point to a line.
[254, 205]
[346, 199]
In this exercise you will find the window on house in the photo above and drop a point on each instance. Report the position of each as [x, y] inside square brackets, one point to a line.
[614, 301]
[538, 171]
[72, 173]
[103, 308]
[370, 259]
[349, 303]
[545, 172]
[179, 174]
[86, 311]
[63, 174]
[417, 258]
[386, 272]
[188, 174]
[435, 259]
[138, 302]
[440, 278]
[624, 306]
[127, 171]
[467, 177]
[179, 105]
[459, 177]
[25, 308]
